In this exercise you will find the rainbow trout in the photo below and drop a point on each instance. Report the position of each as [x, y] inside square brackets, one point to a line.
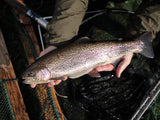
[79, 58]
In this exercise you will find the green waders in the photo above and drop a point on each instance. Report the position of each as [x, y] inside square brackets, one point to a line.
[66, 20]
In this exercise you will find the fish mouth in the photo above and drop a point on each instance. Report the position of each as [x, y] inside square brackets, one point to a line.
[28, 80]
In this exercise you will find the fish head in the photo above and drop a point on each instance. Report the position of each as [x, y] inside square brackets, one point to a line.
[34, 75]
[29, 78]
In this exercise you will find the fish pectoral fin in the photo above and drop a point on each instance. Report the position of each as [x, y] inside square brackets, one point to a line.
[94, 73]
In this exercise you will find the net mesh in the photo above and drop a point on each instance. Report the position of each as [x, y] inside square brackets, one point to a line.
[48, 108]
[6, 112]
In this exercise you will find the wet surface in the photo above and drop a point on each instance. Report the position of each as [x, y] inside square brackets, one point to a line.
[105, 98]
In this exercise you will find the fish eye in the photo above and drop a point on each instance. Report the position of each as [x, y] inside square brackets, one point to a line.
[31, 74]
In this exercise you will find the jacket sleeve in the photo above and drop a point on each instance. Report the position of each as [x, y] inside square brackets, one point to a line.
[66, 20]
[147, 18]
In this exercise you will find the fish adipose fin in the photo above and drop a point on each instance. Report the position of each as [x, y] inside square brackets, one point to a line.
[147, 47]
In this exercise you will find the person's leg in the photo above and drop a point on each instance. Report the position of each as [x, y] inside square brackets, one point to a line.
[66, 20]
[147, 18]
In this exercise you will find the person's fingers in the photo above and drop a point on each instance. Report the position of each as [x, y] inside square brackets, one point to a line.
[94, 73]
[108, 67]
[32, 85]
[57, 82]
[50, 48]
[54, 82]
[123, 64]
[50, 84]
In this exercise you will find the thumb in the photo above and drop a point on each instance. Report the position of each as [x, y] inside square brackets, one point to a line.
[47, 50]
[33, 85]
[126, 59]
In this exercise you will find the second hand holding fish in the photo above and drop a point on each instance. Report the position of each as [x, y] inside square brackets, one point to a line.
[126, 59]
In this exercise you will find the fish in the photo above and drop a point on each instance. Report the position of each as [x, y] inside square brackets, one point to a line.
[81, 57]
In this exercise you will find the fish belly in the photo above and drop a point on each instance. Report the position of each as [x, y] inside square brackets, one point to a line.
[86, 66]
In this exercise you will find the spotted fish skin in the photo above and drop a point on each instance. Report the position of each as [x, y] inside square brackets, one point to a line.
[79, 58]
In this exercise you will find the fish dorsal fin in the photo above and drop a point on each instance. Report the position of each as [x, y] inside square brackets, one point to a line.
[83, 39]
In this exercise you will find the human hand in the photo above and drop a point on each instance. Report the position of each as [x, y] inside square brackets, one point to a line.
[54, 82]
[125, 61]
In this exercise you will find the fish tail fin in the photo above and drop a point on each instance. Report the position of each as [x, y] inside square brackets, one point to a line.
[147, 51]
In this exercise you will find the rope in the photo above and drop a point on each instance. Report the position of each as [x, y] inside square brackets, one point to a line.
[62, 96]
